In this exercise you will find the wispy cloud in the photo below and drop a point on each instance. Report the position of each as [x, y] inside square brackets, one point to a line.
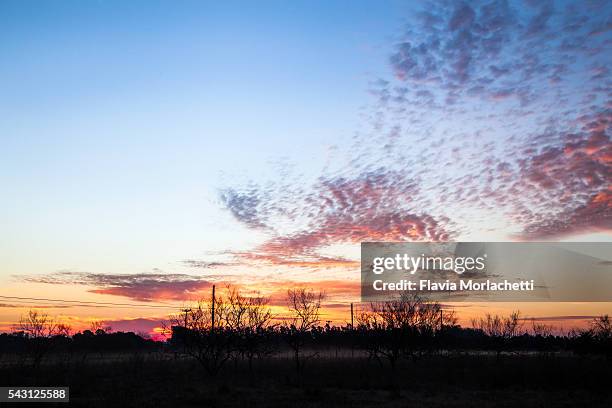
[140, 286]
[181, 287]
[560, 318]
[200, 264]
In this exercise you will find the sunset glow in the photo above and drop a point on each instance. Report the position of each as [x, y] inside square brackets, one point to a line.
[152, 150]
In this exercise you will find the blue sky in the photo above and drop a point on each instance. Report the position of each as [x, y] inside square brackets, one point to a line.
[130, 114]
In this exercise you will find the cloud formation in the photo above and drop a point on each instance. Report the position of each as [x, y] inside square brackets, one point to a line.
[499, 49]
[573, 179]
[374, 205]
[200, 264]
[495, 119]
[141, 286]
[152, 327]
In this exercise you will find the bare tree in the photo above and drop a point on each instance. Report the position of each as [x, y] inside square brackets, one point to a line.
[250, 318]
[500, 329]
[596, 339]
[40, 330]
[304, 306]
[402, 327]
[237, 309]
[540, 329]
[194, 334]
[601, 333]
[36, 324]
[601, 327]
[99, 327]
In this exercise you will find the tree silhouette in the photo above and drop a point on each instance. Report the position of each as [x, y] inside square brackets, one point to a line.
[250, 318]
[40, 330]
[499, 329]
[402, 328]
[597, 338]
[196, 336]
[304, 306]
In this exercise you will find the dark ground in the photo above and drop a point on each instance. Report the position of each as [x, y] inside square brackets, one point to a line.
[466, 380]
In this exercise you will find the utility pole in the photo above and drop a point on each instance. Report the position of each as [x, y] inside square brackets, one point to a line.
[441, 321]
[352, 329]
[212, 326]
[186, 311]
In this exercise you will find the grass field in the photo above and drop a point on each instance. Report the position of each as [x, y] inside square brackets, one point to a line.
[456, 380]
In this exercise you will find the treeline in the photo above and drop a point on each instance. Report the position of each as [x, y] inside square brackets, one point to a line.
[409, 327]
[86, 341]
[243, 328]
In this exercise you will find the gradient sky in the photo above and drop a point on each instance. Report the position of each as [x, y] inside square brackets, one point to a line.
[150, 149]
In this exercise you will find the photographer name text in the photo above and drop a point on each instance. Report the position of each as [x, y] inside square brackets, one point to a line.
[452, 286]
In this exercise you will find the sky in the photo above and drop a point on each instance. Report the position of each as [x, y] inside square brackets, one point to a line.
[152, 149]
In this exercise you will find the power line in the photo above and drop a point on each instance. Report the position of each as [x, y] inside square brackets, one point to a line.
[29, 304]
[86, 303]
[81, 303]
